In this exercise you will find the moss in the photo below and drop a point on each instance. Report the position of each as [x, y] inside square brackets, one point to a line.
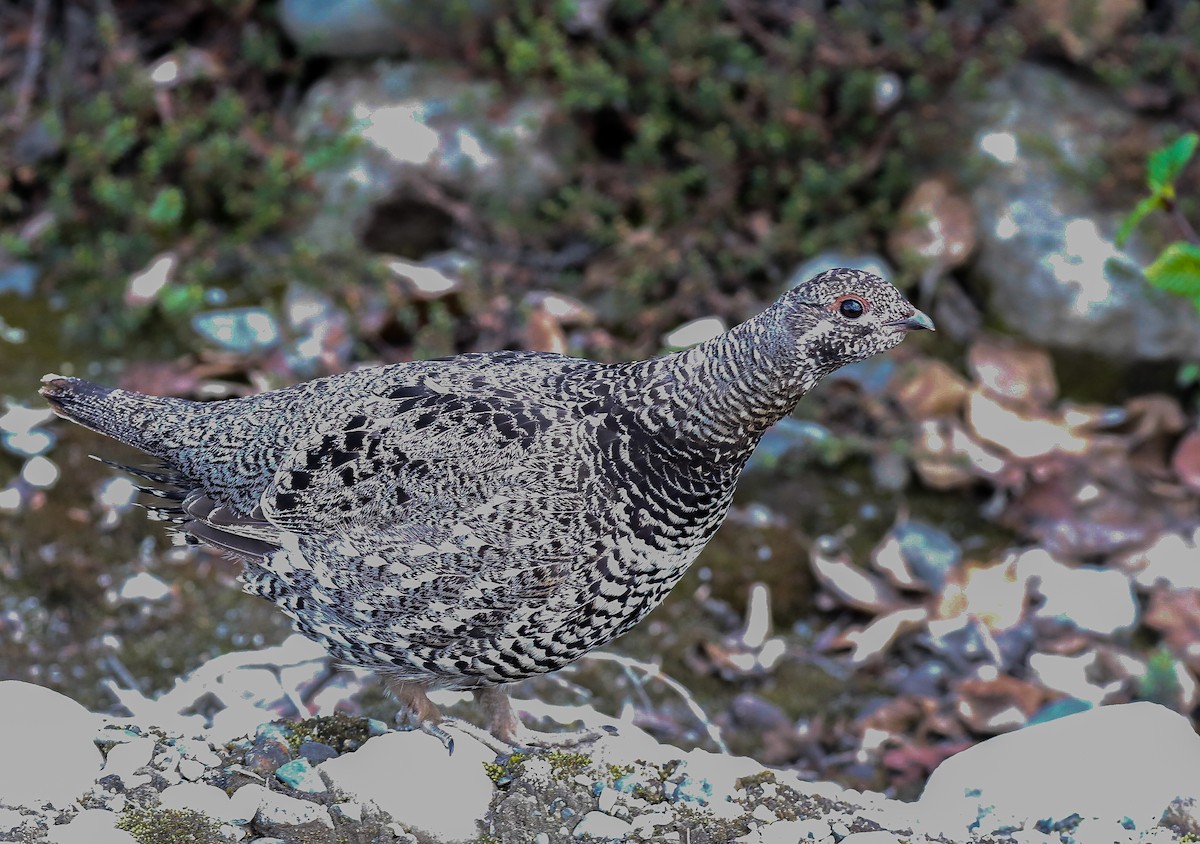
[170, 826]
[503, 772]
[341, 732]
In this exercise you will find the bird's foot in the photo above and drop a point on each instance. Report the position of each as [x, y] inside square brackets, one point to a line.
[506, 729]
[407, 719]
[417, 712]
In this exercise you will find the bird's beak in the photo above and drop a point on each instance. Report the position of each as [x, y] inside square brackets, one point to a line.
[913, 322]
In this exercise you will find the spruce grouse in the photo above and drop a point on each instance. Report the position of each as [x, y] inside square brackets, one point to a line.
[471, 521]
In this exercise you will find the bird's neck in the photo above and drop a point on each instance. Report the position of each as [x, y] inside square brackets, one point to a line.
[727, 391]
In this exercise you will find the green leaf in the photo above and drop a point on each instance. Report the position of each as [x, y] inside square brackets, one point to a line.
[1165, 165]
[1143, 209]
[1177, 270]
[167, 208]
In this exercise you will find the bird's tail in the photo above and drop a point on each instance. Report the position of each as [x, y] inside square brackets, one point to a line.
[144, 422]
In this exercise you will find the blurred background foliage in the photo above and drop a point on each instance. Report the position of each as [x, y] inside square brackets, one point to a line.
[719, 143]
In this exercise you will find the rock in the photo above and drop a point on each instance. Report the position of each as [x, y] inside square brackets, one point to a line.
[936, 229]
[597, 825]
[410, 776]
[316, 752]
[420, 122]
[357, 28]
[1114, 762]
[206, 799]
[91, 826]
[49, 755]
[241, 330]
[1047, 262]
[274, 813]
[299, 774]
[1092, 599]
[125, 759]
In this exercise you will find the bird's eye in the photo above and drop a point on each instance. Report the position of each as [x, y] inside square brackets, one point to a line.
[851, 308]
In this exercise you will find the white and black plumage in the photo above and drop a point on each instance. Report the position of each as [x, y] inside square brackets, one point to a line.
[471, 521]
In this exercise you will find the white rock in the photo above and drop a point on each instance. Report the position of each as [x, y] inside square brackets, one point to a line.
[10, 819]
[762, 813]
[349, 811]
[1108, 763]
[206, 799]
[645, 824]
[191, 770]
[1091, 599]
[49, 755]
[91, 826]
[879, 836]
[291, 811]
[409, 774]
[600, 825]
[124, 759]
[789, 832]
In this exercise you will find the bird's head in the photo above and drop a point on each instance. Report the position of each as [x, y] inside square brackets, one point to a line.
[842, 316]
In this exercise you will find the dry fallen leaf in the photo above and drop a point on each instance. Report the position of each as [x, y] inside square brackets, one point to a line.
[998, 704]
[1024, 435]
[1185, 461]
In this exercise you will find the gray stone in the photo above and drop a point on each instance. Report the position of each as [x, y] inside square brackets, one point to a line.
[602, 826]
[91, 826]
[410, 776]
[422, 122]
[1128, 761]
[206, 799]
[1047, 260]
[49, 751]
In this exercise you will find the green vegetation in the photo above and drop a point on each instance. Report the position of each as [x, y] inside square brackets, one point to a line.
[130, 168]
[1177, 267]
[725, 151]
[170, 826]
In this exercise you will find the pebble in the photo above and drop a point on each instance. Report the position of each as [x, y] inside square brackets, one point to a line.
[124, 759]
[271, 809]
[206, 799]
[600, 825]
[541, 838]
[409, 774]
[317, 752]
[300, 775]
[267, 756]
[348, 811]
[191, 770]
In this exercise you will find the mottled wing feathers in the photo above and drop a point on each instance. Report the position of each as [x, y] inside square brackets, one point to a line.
[365, 464]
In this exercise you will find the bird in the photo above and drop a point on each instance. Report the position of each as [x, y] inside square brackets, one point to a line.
[470, 521]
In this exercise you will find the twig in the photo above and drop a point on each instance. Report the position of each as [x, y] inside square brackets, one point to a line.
[656, 673]
[33, 63]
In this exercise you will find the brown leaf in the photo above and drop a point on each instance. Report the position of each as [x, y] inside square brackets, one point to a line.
[1186, 460]
[997, 705]
[1175, 613]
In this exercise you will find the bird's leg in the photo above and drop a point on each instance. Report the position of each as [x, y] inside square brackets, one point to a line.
[417, 712]
[504, 724]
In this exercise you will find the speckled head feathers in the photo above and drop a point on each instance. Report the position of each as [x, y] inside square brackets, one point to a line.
[844, 315]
